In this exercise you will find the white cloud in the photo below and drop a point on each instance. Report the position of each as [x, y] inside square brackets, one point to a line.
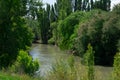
[114, 2]
[49, 1]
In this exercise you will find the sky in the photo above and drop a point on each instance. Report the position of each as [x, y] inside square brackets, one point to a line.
[49, 1]
[113, 2]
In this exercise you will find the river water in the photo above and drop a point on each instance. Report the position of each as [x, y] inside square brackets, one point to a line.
[48, 54]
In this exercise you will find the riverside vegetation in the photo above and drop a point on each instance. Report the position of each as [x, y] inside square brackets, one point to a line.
[86, 28]
[68, 70]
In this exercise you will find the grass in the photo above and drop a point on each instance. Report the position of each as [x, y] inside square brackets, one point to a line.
[4, 76]
[13, 76]
[68, 69]
[63, 69]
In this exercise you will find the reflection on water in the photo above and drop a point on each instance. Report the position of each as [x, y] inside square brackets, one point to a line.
[46, 54]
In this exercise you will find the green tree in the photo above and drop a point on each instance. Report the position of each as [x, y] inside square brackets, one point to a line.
[103, 33]
[66, 30]
[31, 17]
[111, 36]
[14, 34]
[103, 4]
[43, 16]
[63, 8]
[34, 25]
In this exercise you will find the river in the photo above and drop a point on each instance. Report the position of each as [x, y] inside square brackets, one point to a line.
[48, 54]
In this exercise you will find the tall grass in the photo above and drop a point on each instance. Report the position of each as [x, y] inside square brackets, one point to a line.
[116, 69]
[63, 70]
[89, 62]
[70, 69]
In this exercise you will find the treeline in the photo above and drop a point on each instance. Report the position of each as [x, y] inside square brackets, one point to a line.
[48, 17]
[77, 25]
[69, 24]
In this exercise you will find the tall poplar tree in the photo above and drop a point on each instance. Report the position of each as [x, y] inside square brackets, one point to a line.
[43, 16]
[87, 5]
[103, 4]
[53, 17]
[63, 8]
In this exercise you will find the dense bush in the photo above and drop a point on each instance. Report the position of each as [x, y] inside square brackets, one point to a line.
[25, 64]
[67, 29]
[110, 37]
[103, 32]
[90, 32]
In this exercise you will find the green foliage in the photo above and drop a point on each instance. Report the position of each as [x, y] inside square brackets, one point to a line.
[54, 38]
[25, 64]
[89, 62]
[34, 25]
[63, 8]
[102, 31]
[44, 23]
[51, 41]
[90, 31]
[31, 20]
[111, 36]
[66, 29]
[14, 34]
[116, 69]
